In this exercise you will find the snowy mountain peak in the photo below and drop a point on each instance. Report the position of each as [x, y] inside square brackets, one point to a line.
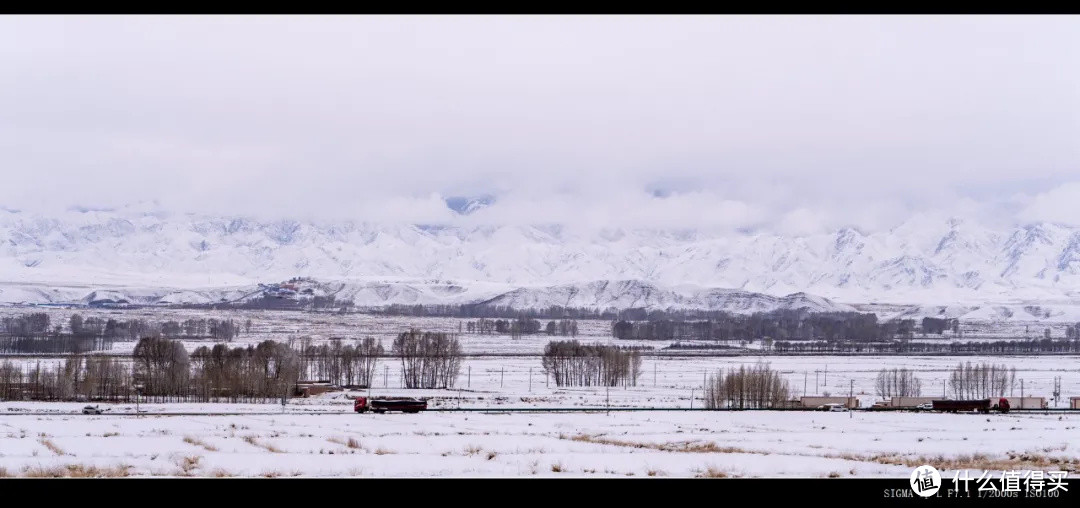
[466, 206]
[923, 260]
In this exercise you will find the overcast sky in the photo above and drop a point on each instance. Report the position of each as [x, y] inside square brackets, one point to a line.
[795, 124]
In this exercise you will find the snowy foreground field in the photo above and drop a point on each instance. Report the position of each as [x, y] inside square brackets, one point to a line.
[321, 436]
[639, 444]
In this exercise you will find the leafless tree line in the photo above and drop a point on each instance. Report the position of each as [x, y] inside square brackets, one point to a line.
[162, 367]
[571, 363]
[339, 362]
[161, 370]
[563, 327]
[268, 370]
[897, 383]
[428, 359]
[981, 381]
[34, 333]
[753, 387]
[75, 378]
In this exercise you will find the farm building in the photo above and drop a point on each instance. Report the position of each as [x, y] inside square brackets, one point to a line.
[309, 388]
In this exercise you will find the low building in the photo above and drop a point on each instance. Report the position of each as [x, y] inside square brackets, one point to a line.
[309, 388]
[1074, 402]
[814, 402]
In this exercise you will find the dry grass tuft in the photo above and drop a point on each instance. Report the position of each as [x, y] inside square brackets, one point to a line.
[76, 471]
[681, 447]
[712, 472]
[383, 451]
[187, 464]
[51, 446]
[976, 461]
[199, 442]
[253, 441]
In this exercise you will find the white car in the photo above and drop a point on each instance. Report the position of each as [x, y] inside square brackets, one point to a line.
[92, 410]
[925, 406]
[834, 407]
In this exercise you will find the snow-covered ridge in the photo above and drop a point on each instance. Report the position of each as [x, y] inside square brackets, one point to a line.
[598, 295]
[924, 260]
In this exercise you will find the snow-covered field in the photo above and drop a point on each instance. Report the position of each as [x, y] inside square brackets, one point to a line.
[670, 382]
[310, 437]
[676, 444]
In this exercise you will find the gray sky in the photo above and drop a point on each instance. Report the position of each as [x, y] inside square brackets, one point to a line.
[796, 124]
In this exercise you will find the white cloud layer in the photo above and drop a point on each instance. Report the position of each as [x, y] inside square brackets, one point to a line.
[796, 124]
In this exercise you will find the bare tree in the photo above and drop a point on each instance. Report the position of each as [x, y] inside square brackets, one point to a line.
[428, 359]
[981, 381]
[747, 388]
[571, 363]
[897, 383]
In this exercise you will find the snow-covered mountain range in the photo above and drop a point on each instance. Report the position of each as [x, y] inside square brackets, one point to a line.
[922, 261]
[601, 295]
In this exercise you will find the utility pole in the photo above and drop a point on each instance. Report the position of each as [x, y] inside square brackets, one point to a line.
[691, 398]
[1021, 392]
[851, 395]
[1057, 390]
[804, 376]
[826, 375]
[470, 376]
[607, 400]
[502, 376]
[385, 376]
[654, 374]
[530, 379]
[817, 382]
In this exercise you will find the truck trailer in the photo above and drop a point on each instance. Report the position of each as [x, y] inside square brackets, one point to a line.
[980, 405]
[384, 404]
